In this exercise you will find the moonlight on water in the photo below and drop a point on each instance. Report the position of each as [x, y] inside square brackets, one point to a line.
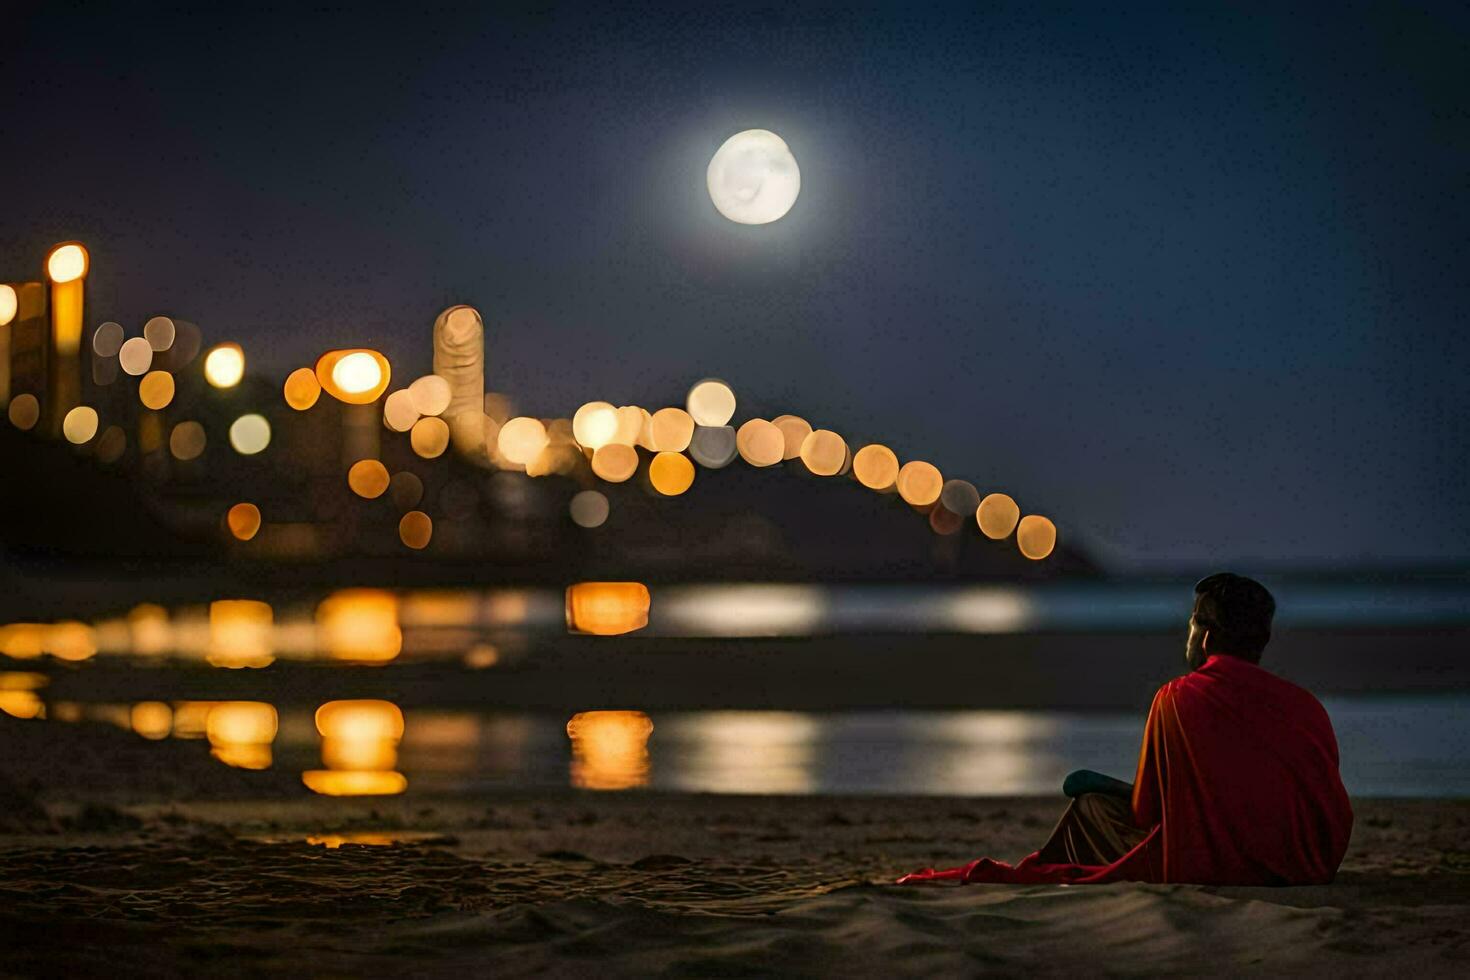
[753, 178]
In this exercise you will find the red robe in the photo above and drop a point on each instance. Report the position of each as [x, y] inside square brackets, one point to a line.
[1237, 784]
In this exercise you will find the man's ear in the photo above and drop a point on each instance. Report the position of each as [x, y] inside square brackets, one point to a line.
[1204, 642]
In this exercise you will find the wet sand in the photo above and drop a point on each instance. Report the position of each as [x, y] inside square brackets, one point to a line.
[124, 857]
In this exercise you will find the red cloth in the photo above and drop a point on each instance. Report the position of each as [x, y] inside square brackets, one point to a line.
[1237, 781]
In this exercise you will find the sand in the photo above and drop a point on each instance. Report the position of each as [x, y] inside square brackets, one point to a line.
[123, 857]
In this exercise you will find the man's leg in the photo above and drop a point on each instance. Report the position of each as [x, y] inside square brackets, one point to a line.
[1095, 829]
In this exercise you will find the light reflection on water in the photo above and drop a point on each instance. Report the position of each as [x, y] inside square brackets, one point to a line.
[1389, 746]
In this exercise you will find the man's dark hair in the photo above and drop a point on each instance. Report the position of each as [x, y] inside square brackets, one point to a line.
[1237, 611]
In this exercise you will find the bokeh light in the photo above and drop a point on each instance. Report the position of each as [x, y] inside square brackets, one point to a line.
[224, 365]
[824, 452]
[24, 411]
[609, 749]
[875, 466]
[135, 356]
[9, 304]
[760, 443]
[919, 483]
[594, 425]
[250, 434]
[107, 340]
[368, 478]
[713, 447]
[66, 263]
[156, 390]
[301, 389]
[80, 425]
[353, 375]
[959, 497]
[589, 508]
[415, 529]
[241, 732]
[399, 413]
[711, 403]
[630, 423]
[429, 437]
[151, 719]
[944, 521]
[430, 394]
[405, 490]
[671, 430]
[112, 444]
[997, 516]
[360, 625]
[70, 640]
[671, 473]
[794, 429]
[522, 439]
[607, 608]
[615, 462]
[1036, 536]
[240, 633]
[243, 520]
[159, 332]
[186, 441]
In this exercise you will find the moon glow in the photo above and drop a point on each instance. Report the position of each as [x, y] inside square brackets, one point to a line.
[753, 178]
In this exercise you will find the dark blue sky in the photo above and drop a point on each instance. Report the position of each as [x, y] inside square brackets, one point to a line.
[1194, 283]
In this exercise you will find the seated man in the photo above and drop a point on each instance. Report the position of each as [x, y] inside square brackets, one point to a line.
[1237, 779]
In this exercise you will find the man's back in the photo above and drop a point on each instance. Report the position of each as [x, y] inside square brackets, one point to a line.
[1239, 770]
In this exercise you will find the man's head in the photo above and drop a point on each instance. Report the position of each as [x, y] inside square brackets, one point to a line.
[1232, 615]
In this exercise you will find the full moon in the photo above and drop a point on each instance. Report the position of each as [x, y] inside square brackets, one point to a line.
[753, 178]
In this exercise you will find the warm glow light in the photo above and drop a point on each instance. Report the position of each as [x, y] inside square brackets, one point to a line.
[997, 516]
[405, 490]
[671, 473]
[760, 443]
[302, 389]
[919, 483]
[607, 608]
[590, 508]
[23, 641]
[356, 376]
[67, 262]
[670, 430]
[794, 429]
[250, 434]
[80, 425]
[358, 721]
[945, 521]
[24, 411]
[875, 466]
[9, 304]
[149, 630]
[753, 179]
[615, 462]
[241, 732]
[630, 423]
[135, 356]
[429, 437]
[522, 439]
[240, 633]
[151, 719]
[399, 413]
[156, 390]
[331, 783]
[368, 478]
[243, 521]
[415, 529]
[186, 441]
[713, 446]
[430, 394]
[711, 402]
[1036, 536]
[224, 365]
[70, 640]
[824, 452]
[594, 425]
[609, 749]
[360, 625]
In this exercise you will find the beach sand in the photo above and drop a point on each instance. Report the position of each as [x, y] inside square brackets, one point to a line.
[125, 857]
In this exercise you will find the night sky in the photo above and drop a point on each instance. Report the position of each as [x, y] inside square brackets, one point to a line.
[1194, 284]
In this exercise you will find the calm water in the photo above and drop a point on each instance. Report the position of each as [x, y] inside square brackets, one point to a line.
[1416, 746]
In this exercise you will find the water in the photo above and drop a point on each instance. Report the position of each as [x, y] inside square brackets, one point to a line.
[1409, 746]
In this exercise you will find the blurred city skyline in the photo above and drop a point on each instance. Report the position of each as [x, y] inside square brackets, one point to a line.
[1192, 290]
